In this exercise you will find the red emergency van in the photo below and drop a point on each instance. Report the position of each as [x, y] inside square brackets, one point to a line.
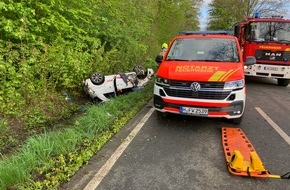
[202, 74]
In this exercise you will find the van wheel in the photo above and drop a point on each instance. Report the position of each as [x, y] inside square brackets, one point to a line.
[283, 82]
[161, 114]
[237, 121]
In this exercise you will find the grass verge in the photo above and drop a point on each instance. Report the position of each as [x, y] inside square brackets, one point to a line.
[46, 161]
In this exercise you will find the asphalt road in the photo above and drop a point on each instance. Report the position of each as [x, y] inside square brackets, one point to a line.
[182, 152]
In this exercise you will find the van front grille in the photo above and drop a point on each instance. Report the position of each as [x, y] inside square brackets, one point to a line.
[209, 90]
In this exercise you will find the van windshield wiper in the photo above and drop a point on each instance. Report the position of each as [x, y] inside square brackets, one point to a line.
[200, 60]
[172, 59]
[209, 60]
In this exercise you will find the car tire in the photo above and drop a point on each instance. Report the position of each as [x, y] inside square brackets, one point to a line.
[97, 78]
[140, 71]
[96, 100]
[133, 79]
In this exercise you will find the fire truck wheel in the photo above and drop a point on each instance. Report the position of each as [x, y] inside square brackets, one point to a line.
[283, 82]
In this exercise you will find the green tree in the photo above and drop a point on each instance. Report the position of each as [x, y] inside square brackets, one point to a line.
[49, 46]
[173, 16]
[224, 13]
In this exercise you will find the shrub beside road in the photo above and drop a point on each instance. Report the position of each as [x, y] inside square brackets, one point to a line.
[47, 160]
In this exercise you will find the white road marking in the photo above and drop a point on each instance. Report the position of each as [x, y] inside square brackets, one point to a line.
[96, 180]
[274, 125]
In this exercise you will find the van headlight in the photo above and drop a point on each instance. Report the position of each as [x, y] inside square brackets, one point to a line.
[162, 81]
[234, 85]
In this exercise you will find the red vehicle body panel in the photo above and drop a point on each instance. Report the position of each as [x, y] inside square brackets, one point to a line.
[183, 73]
[206, 71]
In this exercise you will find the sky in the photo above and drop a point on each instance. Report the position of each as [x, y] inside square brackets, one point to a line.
[204, 14]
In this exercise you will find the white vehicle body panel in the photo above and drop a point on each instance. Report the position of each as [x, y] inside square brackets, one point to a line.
[266, 70]
[116, 83]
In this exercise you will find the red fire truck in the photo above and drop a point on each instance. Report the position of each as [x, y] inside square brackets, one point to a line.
[268, 39]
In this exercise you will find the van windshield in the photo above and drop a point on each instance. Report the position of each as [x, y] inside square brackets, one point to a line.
[203, 49]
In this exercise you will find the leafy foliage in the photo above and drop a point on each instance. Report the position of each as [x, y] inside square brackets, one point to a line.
[50, 46]
[47, 48]
[47, 160]
[171, 17]
[224, 13]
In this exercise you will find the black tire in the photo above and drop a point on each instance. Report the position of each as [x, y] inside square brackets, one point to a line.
[140, 71]
[97, 78]
[96, 100]
[161, 114]
[237, 121]
[283, 82]
[133, 79]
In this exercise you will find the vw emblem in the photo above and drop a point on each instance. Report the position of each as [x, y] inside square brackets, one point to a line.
[195, 86]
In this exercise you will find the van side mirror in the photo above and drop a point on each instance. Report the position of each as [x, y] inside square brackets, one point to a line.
[250, 60]
[159, 58]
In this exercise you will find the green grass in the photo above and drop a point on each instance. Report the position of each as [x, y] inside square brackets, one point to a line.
[47, 160]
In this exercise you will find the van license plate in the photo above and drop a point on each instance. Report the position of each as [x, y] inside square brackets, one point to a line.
[194, 111]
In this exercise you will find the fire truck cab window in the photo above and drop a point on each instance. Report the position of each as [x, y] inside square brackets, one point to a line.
[269, 31]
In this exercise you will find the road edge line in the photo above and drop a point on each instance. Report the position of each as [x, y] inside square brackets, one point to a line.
[104, 170]
[274, 125]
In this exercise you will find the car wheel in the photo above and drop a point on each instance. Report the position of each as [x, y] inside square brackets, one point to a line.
[96, 100]
[140, 72]
[97, 78]
[132, 78]
[283, 82]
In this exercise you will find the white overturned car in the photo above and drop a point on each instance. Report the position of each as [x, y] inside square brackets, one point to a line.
[101, 88]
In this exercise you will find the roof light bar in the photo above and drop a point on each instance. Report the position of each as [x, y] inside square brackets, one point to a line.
[212, 32]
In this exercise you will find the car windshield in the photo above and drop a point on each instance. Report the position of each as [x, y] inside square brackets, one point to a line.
[204, 49]
[278, 32]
